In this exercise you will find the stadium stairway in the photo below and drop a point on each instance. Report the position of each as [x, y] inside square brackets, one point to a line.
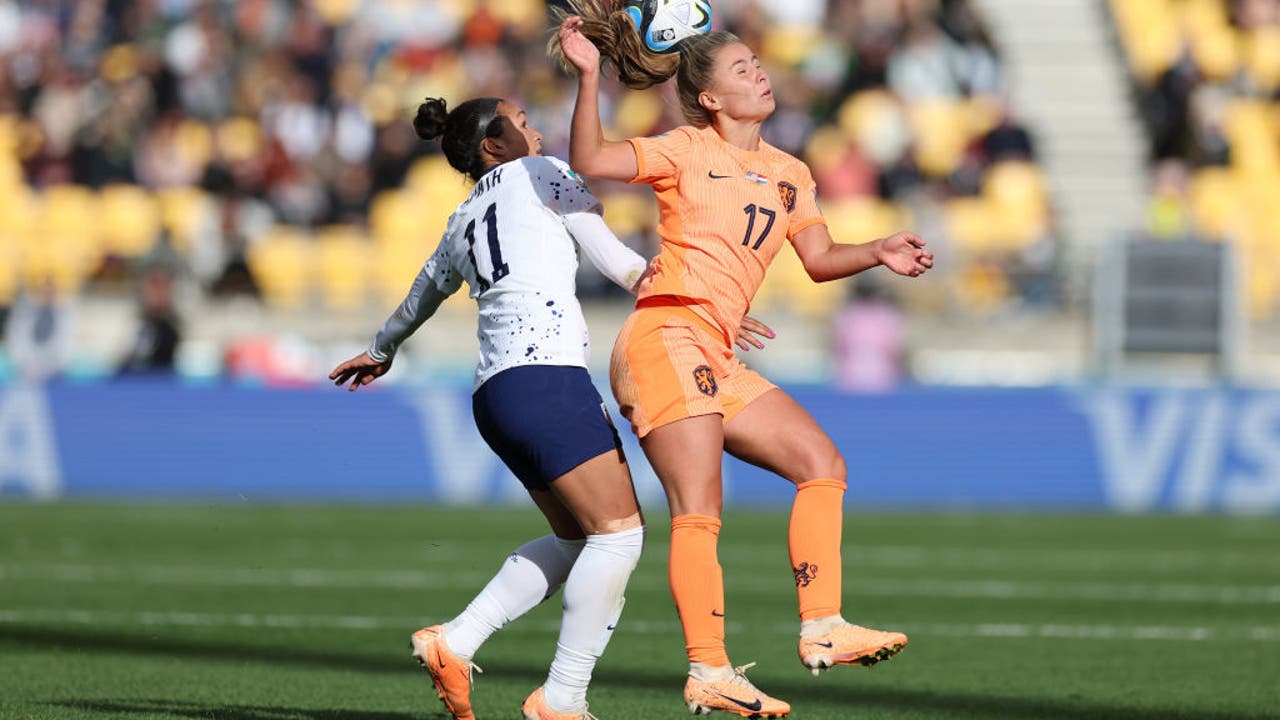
[1068, 85]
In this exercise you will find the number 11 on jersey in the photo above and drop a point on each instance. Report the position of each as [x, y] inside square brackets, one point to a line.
[500, 268]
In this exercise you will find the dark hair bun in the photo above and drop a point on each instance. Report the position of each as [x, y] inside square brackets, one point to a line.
[430, 120]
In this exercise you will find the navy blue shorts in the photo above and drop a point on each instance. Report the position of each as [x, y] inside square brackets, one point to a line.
[543, 421]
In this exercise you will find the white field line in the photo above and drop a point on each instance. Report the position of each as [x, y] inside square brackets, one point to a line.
[420, 580]
[1262, 634]
[446, 553]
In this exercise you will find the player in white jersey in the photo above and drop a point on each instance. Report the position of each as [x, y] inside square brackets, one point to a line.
[514, 240]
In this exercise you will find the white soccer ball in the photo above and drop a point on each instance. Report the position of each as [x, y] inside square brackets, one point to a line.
[662, 24]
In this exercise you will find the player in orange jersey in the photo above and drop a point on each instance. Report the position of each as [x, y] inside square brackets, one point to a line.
[727, 201]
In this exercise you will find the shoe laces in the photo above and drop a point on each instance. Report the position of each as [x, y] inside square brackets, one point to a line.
[740, 677]
[472, 668]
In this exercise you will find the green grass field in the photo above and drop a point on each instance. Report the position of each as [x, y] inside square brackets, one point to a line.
[276, 613]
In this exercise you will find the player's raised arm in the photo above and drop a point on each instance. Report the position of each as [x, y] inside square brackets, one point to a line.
[824, 259]
[589, 153]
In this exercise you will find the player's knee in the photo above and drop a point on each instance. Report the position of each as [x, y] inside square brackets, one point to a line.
[822, 462]
[608, 527]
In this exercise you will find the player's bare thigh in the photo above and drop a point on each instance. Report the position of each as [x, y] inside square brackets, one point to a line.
[594, 498]
[686, 455]
[774, 432]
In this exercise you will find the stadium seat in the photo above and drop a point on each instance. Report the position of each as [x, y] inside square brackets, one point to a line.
[941, 132]
[1216, 205]
[182, 210]
[1250, 128]
[1150, 34]
[969, 223]
[1019, 203]
[68, 224]
[1261, 49]
[281, 265]
[129, 218]
[344, 259]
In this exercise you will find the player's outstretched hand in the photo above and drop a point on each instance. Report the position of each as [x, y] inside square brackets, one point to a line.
[748, 331]
[360, 370]
[904, 253]
[580, 51]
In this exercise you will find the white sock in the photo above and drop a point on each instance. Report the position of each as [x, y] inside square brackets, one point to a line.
[529, 575]
[593, 599]
[821, 626]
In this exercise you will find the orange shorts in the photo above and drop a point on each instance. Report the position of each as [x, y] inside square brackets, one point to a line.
[669, 364]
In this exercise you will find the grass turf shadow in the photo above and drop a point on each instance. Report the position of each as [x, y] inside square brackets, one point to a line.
[205, 711]
[851, 697]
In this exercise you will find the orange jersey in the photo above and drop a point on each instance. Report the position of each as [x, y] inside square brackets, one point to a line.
[724, 213]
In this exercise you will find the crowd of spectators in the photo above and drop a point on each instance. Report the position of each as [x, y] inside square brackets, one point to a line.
[248, 128]
[1207, 79]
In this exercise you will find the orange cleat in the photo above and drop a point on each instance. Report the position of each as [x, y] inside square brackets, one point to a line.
[849, 645]
[535, 707]
[734, 695]
[449, 673]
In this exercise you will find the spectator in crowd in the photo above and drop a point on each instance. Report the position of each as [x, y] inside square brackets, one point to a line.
[155, 348]
[869, 334]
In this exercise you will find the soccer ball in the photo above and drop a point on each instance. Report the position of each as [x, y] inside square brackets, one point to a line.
[662, 24]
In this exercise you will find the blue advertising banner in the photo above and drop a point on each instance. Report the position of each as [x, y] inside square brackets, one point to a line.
[1102, 448]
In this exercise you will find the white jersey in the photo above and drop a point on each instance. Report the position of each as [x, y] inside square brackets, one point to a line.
[513, 242]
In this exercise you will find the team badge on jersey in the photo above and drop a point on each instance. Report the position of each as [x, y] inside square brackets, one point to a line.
[706, 381]
[805, 574]
[787, 192]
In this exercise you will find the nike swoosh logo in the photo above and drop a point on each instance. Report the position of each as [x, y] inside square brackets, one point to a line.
[711, 174]
[827, 645]
[753, 706]
[716, 614]
[610, 627]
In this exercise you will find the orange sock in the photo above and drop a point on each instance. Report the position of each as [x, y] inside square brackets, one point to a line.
[697, 585]
[813, 541]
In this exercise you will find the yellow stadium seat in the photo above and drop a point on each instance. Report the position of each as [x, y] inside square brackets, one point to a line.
[344, 260]
[969, 221]
[1019, 202]
[874, 120]
[628, 212]
[68, 223]
[130, 220]
[1262, 57]
[182, 210]
[1250, 128]
[636, 114]
[1216, 205]
[238, 139]
[857, 220]
[1150, 34]
[1215, 50]
[392, 219]
[281, 265]
[395, 267]
[941, 132]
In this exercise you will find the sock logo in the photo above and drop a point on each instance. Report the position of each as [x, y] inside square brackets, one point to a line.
[716, 614]
[706, 380]
[805, 574]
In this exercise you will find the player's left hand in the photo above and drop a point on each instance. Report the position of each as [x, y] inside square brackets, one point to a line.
[360, 370]
[747, 331]
[904, 253]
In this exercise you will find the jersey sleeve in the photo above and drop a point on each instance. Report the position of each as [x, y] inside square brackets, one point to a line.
[660, 157]
[613, 259]
[560, 188]
[802, 206]
[436, 281]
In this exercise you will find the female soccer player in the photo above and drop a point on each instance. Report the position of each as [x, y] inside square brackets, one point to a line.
[727, 202]
[513, 241]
